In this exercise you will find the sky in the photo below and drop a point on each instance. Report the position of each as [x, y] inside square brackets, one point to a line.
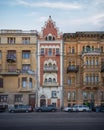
[70, 16]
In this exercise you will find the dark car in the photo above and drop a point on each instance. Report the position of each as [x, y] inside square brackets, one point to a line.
[49, 108]
[98, 109]
[2, 108]
[23, 108]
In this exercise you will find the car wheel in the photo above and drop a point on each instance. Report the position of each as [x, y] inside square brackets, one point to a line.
[27, 111]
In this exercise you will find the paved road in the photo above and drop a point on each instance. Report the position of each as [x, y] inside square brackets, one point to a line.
[52, 121]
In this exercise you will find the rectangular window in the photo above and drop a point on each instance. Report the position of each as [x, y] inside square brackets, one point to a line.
[11, 54]
[57, 51]
[42, 51]
[25, 67]
[24, 82]
[25, 54]
[73, 95]
[3, 98]
[92, 96]
[18, 98]
[69, 95]
[73, 51]
[1, 83]
[54, 94]
[96, 79]
[96, 62]
[26, 40]
[49, 52]
[11, 40]
[85, 95]
[69, 81]
[30, 83]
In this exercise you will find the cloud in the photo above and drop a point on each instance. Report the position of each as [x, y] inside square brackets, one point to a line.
[57, 5]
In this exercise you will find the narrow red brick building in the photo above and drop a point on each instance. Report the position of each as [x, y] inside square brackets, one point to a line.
[50, 65]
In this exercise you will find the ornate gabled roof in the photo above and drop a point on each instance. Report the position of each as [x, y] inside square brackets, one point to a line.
[50, 29]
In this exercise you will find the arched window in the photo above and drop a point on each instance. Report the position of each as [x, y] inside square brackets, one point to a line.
[45, 65]
[50, 80]
[54, 80]
[50, 37]
[54, 66]
[73, 50]
[50, 65]
[45, 81]
[42, 96]
[87, 48]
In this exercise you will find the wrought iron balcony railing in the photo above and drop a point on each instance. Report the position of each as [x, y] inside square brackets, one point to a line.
[50, 84]
[9, 72]
[48, 69]
[72, 68]
[11, 58]
[90, 52]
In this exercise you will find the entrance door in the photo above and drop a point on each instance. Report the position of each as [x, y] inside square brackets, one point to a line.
[32, 100]
[42, 100]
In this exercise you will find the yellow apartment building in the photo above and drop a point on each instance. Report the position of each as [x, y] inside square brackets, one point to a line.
[17, 67]
[83, 68]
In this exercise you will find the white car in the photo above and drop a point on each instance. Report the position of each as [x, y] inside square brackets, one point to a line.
[67, 109]
[80, 108]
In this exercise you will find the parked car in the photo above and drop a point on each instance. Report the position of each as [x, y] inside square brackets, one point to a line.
[49, 108]
[2, 108]
[67, 109]
[98, 108]
[80, 108]
[22, 108]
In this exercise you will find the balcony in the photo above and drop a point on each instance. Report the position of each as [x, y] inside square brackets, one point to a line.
[25, 89]
[50, 84]
[11, 58]
[50, 69]
[91, 85]
[72, 68]
[10, 72]
[96, 51]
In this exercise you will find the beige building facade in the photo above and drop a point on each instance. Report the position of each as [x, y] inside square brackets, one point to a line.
[83, 68]
[17, 67]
